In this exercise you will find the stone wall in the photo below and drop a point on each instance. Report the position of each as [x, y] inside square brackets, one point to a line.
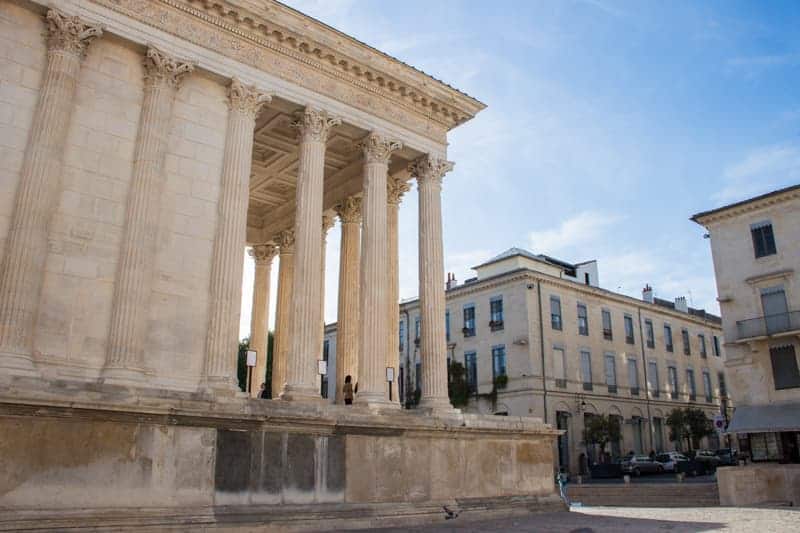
[757, 484]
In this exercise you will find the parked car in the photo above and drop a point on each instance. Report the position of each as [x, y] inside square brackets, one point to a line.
[641, 464]
[708, 458]
[727, 457]
[670, 460]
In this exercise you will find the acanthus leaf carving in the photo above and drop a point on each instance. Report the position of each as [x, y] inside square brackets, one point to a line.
[349, 210]
[328, 220]
[161, 68]
[285, 240]
[378, 149]
[428, 167]
[70, 33]
[315, 124]
[246, 99]
[395, 189]
[263, 253]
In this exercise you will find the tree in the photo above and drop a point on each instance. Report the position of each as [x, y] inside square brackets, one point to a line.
[457, 384]
[241, 363]
[600, 430]
[689, 425]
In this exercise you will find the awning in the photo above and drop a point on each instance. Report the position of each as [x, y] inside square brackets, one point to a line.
[765, 418]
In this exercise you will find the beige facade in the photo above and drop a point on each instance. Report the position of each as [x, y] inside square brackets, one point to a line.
[544, 363]
[755, 246]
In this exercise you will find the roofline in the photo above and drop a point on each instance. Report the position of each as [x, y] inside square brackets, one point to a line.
[699, 217]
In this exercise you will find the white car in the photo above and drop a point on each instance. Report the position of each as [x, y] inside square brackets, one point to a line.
[670, 460]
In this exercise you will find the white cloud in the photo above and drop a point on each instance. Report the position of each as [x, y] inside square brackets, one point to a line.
[573, 233]
[759, 171]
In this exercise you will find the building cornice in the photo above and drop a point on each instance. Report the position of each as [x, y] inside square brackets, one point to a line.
[707, 218]
[247, 31]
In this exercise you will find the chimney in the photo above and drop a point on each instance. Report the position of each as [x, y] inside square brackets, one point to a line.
[680, 304]
[451, 280]
[647, 294]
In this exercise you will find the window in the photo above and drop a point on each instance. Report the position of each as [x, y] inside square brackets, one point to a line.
[707, 386]
[470, 362]
[633, 377]
[496, 312]
[658, 430]
[611, 373]
[652, 379]
[687, 347]
[723, 390]
[628, 329]
[672, 376]
[607, 333]
[690, 382]
[469, 321]
[715, 345]
[560, 367]
[447, 324]
[702, 339]
[784, 367]
[763, 238]
[776, 312]
[648, 330]
[668, 337]
[555, 312]
[499, 361]
[583, 321]
[416, 331]
[402, 335]
[586, 369]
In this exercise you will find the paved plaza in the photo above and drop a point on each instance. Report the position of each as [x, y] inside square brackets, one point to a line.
[615, 519]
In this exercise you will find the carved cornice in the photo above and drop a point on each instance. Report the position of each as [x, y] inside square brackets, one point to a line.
[431, 168]
[70, 34]
[262, 39]
[395, 189]
[377, 148]
[314, 124]
[262, 254]
[285, 240]
[246, 99]
[163, 69]
[349, 211]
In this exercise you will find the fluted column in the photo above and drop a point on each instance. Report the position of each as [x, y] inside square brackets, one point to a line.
[306, 310]
[374, 292]
[22, 267]
[280, 348]
[328, 220]
[347, 327]
[124, 358]
[429, 172]
[262, 254]
[395, 189]
[222, 341]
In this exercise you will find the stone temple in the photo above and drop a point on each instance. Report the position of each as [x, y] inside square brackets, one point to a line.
[144, 145]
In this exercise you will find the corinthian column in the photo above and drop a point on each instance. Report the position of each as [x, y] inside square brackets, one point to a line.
[374, 274]
[306, 310]
[347, 328]
[327, 223]
[22, 267]
[244, 104]
[124, 359]
[280, 348]
[262, 254]
[395, 189]
[429, 172]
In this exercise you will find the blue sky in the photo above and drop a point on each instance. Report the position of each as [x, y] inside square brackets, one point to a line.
[608, 125]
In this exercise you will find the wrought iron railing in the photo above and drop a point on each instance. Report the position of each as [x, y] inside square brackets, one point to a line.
[768, 325]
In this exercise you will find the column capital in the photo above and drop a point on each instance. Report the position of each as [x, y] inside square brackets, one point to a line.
[349, 210]
[246, 98]
[429, 167]
[262, 254]
[285, 240]
[70, 33]
[314, 124]
[378, 148]
[161, 68]
[395, 189]
[328, 220]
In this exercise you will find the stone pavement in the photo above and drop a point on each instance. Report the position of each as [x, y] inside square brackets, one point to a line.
[616, 519]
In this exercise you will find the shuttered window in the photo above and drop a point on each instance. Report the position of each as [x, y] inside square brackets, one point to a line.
[784, 367]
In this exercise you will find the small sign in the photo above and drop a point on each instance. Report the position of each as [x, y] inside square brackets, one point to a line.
[389, 374]
[719, 422]
[322, 366]
[252, 356]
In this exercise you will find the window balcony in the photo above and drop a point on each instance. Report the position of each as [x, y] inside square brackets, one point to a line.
[612, 389]
[561, 383]
[496, 325]
[588, 386]
[634, 391]
[768, 326]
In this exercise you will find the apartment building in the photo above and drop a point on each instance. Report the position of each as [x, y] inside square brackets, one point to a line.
[569, 350]
[755, 246]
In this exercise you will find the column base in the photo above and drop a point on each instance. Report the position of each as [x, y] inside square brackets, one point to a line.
[18, 364]
[438, 406]
[301, 394]
[124, 376]
[375, 402]
[222, 387]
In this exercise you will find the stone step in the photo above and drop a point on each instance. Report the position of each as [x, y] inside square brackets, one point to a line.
[647, 495]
